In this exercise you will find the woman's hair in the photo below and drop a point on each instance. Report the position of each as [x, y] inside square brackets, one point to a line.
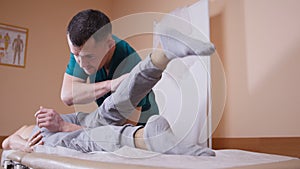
[88, 23]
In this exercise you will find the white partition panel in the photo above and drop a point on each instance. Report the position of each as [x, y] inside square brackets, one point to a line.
[183, 94]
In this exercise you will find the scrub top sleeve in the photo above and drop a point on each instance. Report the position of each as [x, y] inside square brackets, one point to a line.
[142, 102]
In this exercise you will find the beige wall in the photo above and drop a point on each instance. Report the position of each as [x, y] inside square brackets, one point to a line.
[123, 8]
[259, 45]
[256, 39]
[259, 55]
[23, 90]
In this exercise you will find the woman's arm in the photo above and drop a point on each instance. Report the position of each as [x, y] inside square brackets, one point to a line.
[20, 140]
[53, 122]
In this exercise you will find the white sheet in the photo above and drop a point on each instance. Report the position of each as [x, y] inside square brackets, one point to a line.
[127, 155]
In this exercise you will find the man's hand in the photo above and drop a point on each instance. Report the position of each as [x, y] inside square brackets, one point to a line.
[49, 119]
[116, 82]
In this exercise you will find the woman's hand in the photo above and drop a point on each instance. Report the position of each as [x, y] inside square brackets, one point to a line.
[49, 119]
[33, 141]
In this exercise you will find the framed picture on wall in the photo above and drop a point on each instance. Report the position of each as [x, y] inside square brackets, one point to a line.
[13, 44]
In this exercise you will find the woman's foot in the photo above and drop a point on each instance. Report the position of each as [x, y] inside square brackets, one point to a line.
[177, 45]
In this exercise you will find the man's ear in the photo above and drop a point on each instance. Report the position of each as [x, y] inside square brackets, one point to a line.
[111, 42]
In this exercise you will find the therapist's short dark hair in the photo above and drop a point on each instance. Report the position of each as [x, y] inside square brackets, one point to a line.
[88, 23]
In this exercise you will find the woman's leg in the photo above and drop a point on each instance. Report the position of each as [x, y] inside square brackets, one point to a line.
[158, 136]
[119, 106]
[116, 109]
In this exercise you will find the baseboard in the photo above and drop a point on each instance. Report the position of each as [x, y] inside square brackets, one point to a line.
[289, 146]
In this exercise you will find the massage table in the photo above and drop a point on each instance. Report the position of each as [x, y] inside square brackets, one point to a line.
[60, 157]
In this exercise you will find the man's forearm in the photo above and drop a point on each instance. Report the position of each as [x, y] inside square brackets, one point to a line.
[69, 127]
[77, 91]
[87, 93]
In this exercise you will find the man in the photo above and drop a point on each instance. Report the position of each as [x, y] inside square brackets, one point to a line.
[106, 128]
[110, 60]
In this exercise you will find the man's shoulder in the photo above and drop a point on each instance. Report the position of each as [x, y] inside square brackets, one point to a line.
[120, 42]
[123, 49]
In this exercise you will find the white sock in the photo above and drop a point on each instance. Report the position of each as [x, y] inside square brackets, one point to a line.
[160, 138]
[176, 44]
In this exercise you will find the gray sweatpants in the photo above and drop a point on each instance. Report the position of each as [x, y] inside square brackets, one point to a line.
[104, 128]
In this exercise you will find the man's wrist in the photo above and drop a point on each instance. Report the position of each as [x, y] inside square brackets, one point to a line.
[62, 126]
[109, 85]
[69, 127]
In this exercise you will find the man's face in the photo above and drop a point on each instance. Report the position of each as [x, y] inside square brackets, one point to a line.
[90, 56]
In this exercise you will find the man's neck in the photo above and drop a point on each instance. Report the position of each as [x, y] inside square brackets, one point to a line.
[109, 56]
